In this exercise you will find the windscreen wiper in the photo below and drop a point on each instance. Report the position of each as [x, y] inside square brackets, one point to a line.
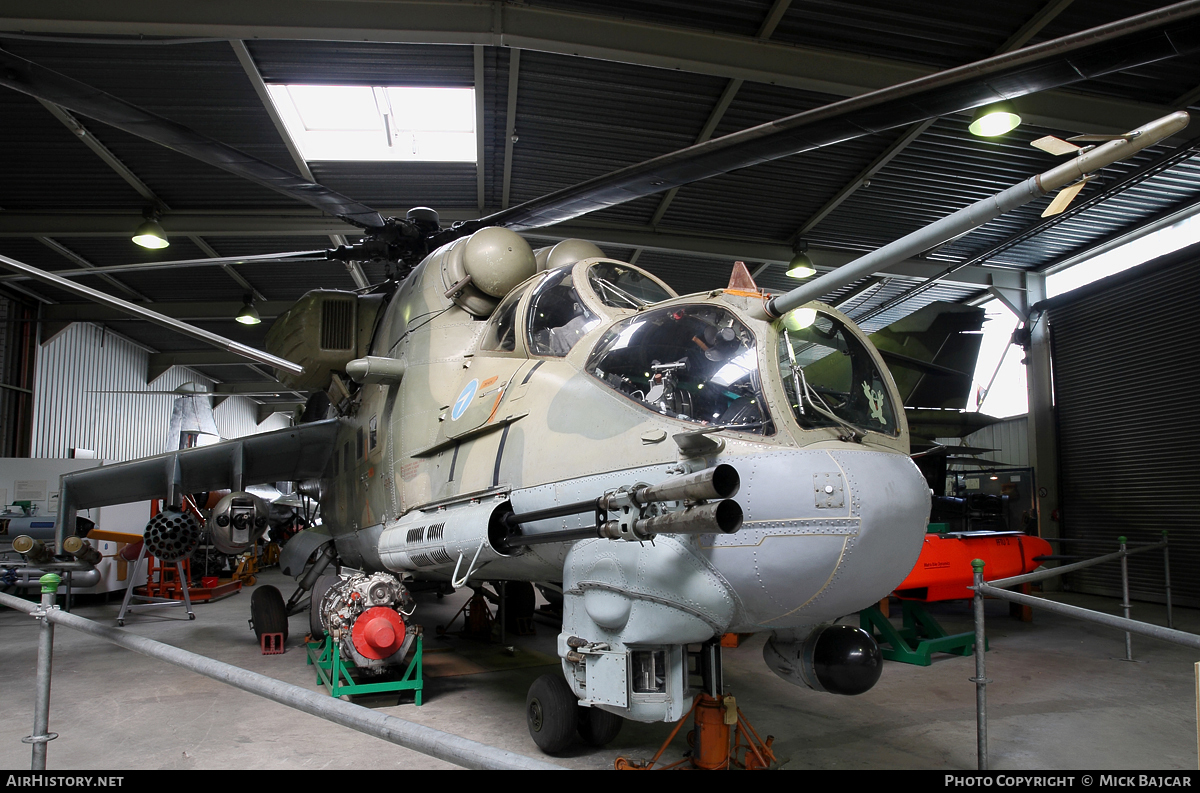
[620, 293]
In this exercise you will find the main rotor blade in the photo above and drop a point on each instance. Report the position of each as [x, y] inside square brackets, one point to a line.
[39, 82]
[260, 258]
[133, 309]
[1127, 43]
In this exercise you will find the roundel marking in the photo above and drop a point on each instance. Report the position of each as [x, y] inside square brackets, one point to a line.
[464, 400]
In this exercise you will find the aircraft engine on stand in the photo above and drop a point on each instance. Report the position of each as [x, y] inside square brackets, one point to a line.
[365, 616]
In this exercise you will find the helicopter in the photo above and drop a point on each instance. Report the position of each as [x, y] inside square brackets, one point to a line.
[679, 467]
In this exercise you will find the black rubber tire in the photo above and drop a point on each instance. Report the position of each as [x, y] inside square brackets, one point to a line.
[268, 612]
[598, 727]
[550, 713]
[314, 604]
[519, 603]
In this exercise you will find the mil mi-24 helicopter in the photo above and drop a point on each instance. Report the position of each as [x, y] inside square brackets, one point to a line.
[681, 467]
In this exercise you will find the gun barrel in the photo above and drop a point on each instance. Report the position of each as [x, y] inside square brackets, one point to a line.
[717, 517]
[719, 482]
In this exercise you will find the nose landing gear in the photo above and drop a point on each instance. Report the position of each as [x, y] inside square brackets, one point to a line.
[721, 737]
[555, 716]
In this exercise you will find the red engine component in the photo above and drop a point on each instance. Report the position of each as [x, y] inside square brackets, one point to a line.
[378, 633]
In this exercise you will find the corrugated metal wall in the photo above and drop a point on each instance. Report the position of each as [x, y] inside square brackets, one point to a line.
[72, 410]
[1010, 439]
[1127, 396]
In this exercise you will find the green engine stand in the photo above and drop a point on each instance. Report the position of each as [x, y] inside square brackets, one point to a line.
[337, 675]
[921, 636]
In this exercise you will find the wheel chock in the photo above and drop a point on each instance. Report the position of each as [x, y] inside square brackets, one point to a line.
[272, 644]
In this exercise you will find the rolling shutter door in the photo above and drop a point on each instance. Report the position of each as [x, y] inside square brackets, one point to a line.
[1126, 355]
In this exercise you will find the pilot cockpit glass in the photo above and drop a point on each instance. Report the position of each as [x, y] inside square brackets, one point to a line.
[830, 378]
[557, 317]
[696, 363]
[622, 286]
[500, 335]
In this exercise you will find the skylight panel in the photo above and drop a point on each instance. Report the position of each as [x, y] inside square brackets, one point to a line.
[378, 123]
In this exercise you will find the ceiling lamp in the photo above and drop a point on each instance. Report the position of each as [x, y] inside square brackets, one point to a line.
[800, 266]
[248, 315]
[995, 119]
[151, 235]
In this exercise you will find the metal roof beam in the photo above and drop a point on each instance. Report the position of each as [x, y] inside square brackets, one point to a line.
[480, 166]
[198, 311]
[228, 268]
[159, 363]
[264, 98]
[767, 251]
[768, 27]
[250, 224]
[256, 389]
[184, 223]
[510, 127]
[506, 24]
[267, 409]
[102, 151]
[74, 257]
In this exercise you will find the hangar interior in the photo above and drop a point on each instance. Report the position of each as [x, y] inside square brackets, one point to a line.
[569, 92]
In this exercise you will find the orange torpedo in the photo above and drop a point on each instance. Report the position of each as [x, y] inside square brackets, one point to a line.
[943, 570]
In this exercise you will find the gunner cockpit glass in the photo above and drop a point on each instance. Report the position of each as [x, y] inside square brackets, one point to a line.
[696, 363]
[557, 317]
[622, 286]
[830, 378]
[500, 335]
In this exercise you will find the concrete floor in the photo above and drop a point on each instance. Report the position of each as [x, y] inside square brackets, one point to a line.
[1060, 700]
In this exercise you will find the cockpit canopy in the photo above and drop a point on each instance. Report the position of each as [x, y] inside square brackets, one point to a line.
[567, 302]
[625, 286]
[557, 315]
[830, 378]
[696, 363]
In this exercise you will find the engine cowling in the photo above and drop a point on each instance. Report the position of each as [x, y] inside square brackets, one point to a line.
[837, 659]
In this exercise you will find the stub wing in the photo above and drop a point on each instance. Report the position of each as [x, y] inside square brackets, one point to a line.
[291, 454]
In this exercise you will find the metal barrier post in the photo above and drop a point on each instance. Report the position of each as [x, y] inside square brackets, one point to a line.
[41, 709]
[427, 740]
[979, 679]
[1167, 576]
[1125, 598]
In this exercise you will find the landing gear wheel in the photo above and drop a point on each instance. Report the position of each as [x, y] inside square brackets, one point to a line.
[519, 604]
[598, 727]
[315, 629]
[550, 713]
[268, 612]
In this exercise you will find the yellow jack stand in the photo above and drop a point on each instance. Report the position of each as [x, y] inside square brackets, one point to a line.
[714, 745]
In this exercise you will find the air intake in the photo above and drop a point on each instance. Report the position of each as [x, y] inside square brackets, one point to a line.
[337, 325]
